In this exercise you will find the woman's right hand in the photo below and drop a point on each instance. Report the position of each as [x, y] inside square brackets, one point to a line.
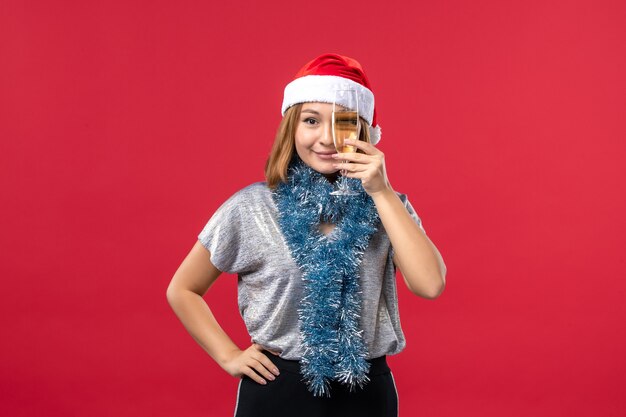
[249, 362]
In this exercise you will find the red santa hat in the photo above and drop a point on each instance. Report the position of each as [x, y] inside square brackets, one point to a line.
[318, 80]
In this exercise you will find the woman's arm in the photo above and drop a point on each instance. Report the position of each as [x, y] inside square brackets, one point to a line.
[417, 257]
[184, 294]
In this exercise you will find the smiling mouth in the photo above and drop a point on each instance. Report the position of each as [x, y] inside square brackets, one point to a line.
[326, 156]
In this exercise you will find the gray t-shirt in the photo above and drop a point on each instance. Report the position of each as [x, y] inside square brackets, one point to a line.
[244, 238]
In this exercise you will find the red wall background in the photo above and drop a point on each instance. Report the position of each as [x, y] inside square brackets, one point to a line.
[125, 124]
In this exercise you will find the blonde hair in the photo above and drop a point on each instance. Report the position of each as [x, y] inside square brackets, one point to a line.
[285, 144]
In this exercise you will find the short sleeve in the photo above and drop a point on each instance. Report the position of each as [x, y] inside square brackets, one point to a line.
[414, 215]
[224, 236]
[411, 211]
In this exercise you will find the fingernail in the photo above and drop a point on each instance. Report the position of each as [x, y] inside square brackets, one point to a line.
[264, 382]
[335, 155]
[276, 371]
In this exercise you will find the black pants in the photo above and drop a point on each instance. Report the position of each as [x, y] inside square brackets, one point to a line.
[288, 395]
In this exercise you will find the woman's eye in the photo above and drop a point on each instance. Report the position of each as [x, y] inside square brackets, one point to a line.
[310, 121]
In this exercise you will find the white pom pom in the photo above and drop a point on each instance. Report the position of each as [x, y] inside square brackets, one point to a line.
[375, 134]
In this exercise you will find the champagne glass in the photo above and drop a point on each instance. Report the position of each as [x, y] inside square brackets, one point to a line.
[345, 125]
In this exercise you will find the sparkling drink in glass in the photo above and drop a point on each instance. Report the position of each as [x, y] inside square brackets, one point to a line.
[345, 125]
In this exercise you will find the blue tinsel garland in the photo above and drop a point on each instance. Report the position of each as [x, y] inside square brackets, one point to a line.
[330, 309]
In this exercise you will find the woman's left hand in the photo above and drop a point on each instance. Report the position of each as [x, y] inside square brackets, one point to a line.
[368, 166]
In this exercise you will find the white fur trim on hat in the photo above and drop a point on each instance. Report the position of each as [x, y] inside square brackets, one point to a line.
[322, 88]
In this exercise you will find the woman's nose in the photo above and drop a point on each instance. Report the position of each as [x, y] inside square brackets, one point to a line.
[327, 137]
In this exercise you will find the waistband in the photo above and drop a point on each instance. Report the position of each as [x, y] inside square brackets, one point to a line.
[377, 365]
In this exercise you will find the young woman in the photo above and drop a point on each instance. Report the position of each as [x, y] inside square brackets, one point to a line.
[316, 272]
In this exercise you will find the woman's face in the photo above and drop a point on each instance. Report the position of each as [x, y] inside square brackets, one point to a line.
[314, 139]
